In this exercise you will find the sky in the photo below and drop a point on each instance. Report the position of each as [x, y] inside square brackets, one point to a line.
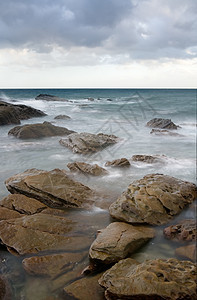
[98, 43]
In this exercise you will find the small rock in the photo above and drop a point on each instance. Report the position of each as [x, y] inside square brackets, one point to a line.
[188, 252]
[162, 123]
[149, 159]
[165, 132]
[62, 117]
[85, 168]
[184, 231]
[122, 162]
[49, 98]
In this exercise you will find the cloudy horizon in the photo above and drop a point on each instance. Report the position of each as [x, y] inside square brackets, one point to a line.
[98, 43]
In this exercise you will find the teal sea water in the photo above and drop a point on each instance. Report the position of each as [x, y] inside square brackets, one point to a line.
[123, 112]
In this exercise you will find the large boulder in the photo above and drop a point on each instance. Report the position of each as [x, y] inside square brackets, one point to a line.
[154, 199]
[117, 241]
[153, 279]
[88, 169]
[12, 114]
[161, 123]
[32, 131]
[183, 231]
[49, 97]
[121, 162]
[53, 188]
[87, 143]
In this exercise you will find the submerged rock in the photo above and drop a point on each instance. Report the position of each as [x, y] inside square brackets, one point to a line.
[122, 162]
[117, 241]
[165, 132]
[5, 290]
[49, 98]
[188, 252]
[149, 159]
[87, 143]
[153, 279]
[154, 199]
[162, 123]
[32, 131]
[62, 117]
[183, 231]
[85, 168]
[53, 188]
[12, 114]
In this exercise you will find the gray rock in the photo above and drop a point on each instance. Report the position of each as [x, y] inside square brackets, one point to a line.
[161, 123]
[49, 98]
[165, 133]
[62, 117]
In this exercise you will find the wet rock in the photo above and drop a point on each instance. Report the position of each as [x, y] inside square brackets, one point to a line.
[162, 123]
[149, 159]
[53, 188]
[154, 199]
[122, 162]
[188, 252]
[49, 98]
[52, 265]
[88, 169]
[12, 114]
[62, 117]
[90, 99]
[153, 279]
[5, 291]
[41, 232]
[183, 231]
[118, 240]
[85, 288]
[87, 143]
[165, 132]
[32, 131]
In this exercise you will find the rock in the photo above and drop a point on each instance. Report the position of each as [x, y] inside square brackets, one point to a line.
[184, 231]
[154, 199]
[87, 143]
[153, 279]
[85, 168]
[117, 241]
[149, 159]
[49, 98]
[12, 114]
[165, 132]
[90, 99]
[6, 214]
[162, 123]
[188, 252]
[62, 117]
[5, 290]
[52, 265]
[85, 288]
[53, 188]
[32, 131]
[41, 232]
[122, 162]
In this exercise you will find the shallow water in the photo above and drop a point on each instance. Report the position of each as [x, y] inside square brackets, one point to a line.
[120, 112]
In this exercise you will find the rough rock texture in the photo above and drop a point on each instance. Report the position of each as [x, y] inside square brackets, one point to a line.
[6, 214]
[188, 252]
[184, 231]
[118, 240]
[122, 162]
[12, 114]
[40, 232]
[87, 168]
[154, 199]
[154, 279]
[32, 131]
[49, 98]
[53, 188]
[86, 289]
[87, 143]
[62, 117]
[149, 159]
[164, 132]
[161, 123]
[52, 265]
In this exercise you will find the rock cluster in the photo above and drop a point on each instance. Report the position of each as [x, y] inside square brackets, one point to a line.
[88, 169]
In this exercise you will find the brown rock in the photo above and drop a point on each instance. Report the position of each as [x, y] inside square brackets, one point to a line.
[87, 143]
[5, 291]
[154, 199]
[32, 131]
[153, 279]
[85, 168]
[118, 240]
[149, 159]
[122, 162]
[6, 214]
[54, 188]
[184, 231]
[165, 132]
[188, 252]
[162, 123]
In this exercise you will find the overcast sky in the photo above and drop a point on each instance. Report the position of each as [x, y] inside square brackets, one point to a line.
[98, 43]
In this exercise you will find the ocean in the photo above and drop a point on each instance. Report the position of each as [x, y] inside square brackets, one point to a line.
[122, 112]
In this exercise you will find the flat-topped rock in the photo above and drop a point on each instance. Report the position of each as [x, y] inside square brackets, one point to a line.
[88, 169]
[87, 143]
[54, 188]
[49, 98]
[118, 240]
[39, 130]
[149, 159]
[165, 132]
[183, 231]
[62, 117]
[154, 279]
[12, 114]
[122, 162]
[154, 199]
[162, 123]
[187, 252]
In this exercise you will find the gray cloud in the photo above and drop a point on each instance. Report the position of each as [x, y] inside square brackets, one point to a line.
[138, 29]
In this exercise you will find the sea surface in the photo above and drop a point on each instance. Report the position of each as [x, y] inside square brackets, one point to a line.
[122, 112]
